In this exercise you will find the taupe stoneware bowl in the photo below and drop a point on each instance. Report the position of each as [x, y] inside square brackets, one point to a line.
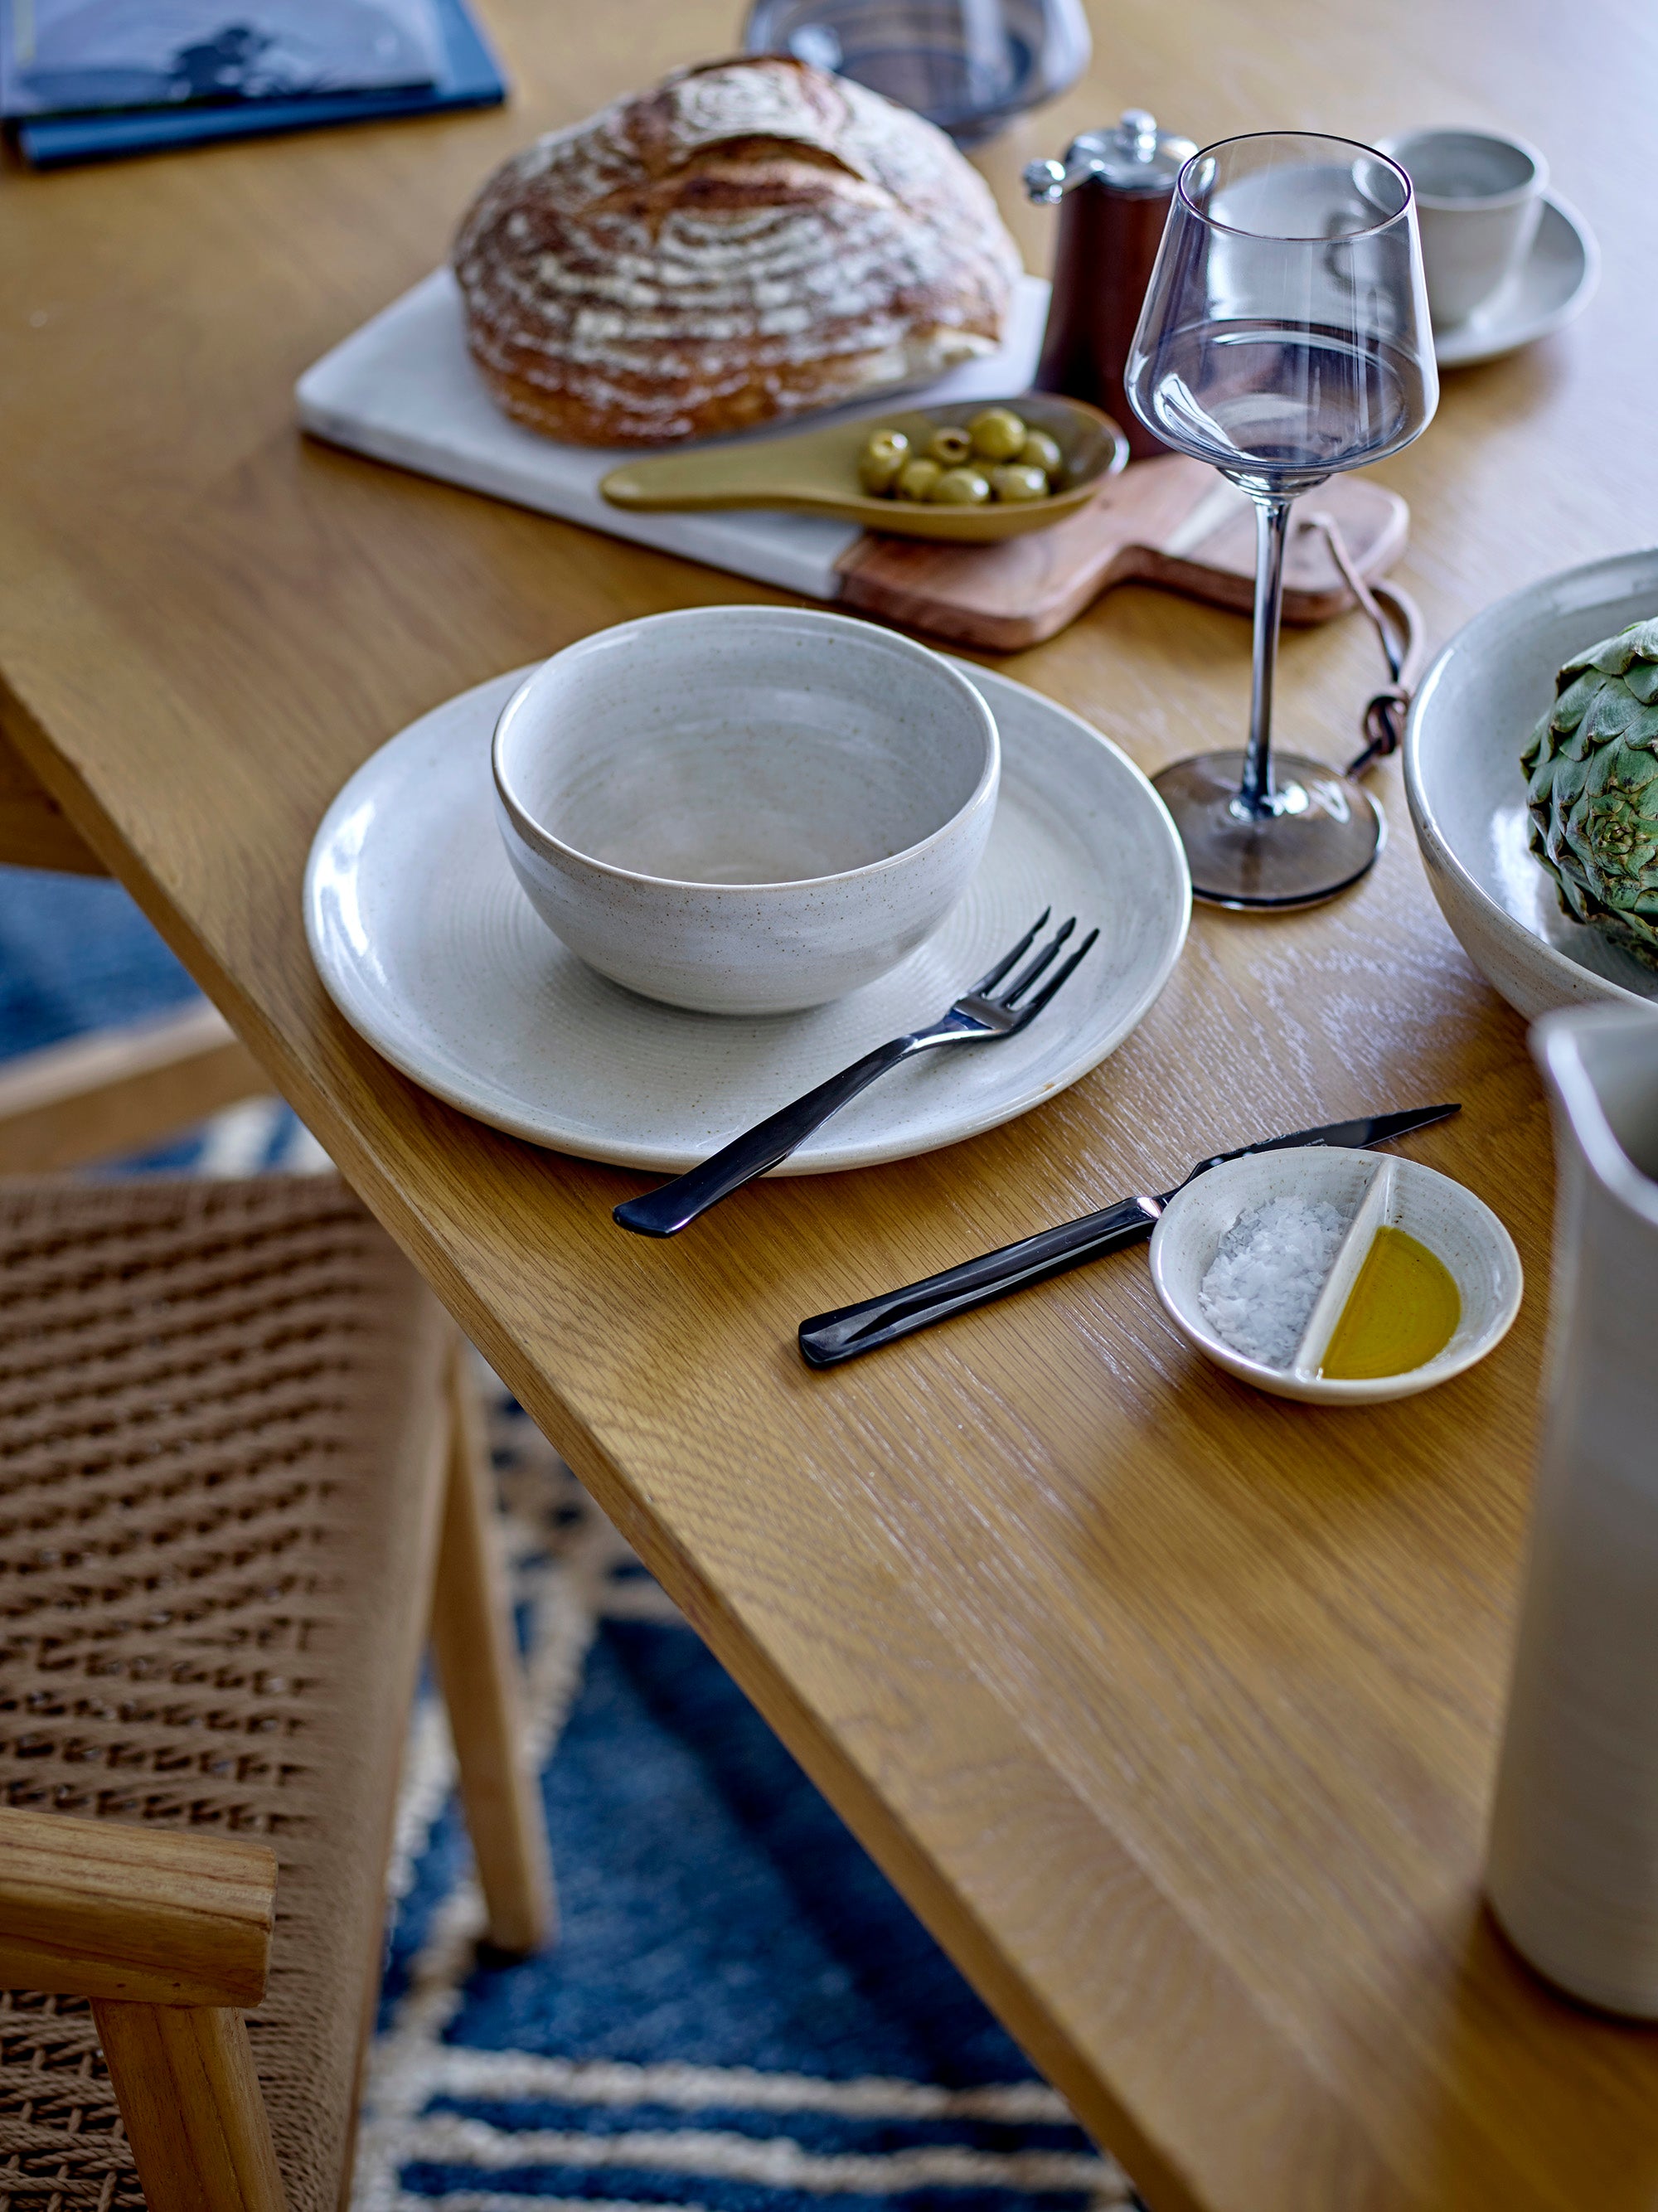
[745, 810]
[1474, 710]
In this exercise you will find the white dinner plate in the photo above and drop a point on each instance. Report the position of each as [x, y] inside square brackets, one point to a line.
[431, 952]
[1550, 289]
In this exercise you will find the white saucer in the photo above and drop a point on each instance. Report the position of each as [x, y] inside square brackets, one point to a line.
[427, 947]
[1550, 289]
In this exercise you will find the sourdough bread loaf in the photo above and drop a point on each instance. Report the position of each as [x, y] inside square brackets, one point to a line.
[753, 237]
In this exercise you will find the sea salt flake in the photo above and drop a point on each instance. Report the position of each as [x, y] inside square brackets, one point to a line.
[1267, 1274]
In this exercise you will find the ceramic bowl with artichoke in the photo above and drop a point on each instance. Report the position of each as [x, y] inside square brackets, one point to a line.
[1593, 790]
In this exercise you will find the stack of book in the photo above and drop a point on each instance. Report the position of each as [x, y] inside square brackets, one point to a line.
[82, 80]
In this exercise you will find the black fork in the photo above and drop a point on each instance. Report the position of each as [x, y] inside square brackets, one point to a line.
[981, 1015]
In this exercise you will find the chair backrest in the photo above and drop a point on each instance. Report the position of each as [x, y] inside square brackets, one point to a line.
[222, 1433]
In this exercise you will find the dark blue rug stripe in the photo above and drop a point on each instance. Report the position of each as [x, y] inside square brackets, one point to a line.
[715, 1910]
[648, 2185]
[75, 954]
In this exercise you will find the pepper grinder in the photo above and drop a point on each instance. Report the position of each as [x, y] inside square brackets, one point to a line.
[1113, 190]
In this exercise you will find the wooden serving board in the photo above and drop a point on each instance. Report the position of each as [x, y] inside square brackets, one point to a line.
[1170, 521]
[402, 389]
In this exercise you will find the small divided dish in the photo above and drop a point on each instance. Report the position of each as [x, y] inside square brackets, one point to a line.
[1375, 1190]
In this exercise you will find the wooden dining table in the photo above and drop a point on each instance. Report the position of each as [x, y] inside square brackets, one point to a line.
[1170, 1707]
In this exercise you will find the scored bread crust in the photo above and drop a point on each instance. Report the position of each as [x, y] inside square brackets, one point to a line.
[751, 239]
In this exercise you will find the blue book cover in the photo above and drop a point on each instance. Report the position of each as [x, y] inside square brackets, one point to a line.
[466, 74]
[64, 57]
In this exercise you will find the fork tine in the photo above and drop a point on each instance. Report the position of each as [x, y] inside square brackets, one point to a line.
[1057, 982]
[1027, 976]
[989, 982]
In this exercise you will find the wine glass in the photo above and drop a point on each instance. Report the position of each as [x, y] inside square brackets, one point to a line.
[966, 65]
[1284, 336]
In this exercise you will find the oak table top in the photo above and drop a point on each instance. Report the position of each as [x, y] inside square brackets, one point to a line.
[1171, 1707]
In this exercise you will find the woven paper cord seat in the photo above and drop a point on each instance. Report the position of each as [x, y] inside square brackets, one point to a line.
[219, 1488]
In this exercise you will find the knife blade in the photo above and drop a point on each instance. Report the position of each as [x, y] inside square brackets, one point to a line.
[827, 1339]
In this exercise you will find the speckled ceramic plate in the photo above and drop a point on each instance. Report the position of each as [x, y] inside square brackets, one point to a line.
[430, 950]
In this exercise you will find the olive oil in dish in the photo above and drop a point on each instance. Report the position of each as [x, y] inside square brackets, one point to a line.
[1401, 1312]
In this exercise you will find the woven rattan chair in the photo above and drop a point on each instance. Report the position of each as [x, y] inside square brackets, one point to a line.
[240, 1474]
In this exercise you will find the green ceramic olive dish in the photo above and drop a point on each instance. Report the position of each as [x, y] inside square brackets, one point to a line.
[816, 472]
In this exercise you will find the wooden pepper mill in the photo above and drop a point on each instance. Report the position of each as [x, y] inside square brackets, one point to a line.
[1113, 190]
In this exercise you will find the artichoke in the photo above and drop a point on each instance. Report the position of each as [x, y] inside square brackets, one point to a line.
[1593, 790]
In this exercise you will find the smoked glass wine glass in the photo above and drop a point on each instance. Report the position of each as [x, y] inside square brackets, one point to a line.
[1284, 336]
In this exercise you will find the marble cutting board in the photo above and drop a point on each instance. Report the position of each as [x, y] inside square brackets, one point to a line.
[402, 390]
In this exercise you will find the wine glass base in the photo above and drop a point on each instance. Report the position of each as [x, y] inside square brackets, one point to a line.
[1323, 834]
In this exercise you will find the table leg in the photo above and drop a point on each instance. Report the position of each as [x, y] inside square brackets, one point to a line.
[34, 831]
[478, 1671]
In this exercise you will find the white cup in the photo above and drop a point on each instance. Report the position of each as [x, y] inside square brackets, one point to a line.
[1479, 199]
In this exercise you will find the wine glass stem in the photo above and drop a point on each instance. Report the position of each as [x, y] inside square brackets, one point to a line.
[1256, 794]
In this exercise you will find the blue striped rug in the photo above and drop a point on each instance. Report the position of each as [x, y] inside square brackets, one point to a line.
[741, 2014]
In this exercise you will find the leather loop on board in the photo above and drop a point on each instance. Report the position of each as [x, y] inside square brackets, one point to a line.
[1397, 621]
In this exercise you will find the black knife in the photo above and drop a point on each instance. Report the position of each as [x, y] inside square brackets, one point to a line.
[830, 1338]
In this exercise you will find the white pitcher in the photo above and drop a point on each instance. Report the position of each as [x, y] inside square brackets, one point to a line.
[1573, 1869]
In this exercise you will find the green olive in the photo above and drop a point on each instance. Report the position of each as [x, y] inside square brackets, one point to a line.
[960, 487]
[1039, 451]
[883, 457]
[916, 478]
[1014, 481]
[949, 447]
[998, 434]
